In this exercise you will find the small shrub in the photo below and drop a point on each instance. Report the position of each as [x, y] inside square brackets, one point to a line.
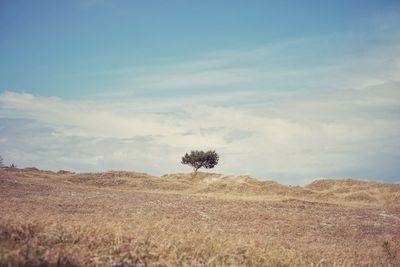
[388, 250]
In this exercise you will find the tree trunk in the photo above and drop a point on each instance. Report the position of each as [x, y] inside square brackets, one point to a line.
[194, 172]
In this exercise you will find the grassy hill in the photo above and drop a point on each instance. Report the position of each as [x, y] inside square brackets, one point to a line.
[125, 219]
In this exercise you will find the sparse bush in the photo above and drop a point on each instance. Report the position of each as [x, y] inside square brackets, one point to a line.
[388, 250]
[1, 161]
[199, 159]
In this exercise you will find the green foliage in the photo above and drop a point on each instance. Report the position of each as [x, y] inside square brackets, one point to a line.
[200, 159]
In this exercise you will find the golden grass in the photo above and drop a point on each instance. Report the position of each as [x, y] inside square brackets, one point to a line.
[133, 219]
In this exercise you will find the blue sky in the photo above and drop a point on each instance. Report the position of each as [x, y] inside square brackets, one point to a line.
[284, 90]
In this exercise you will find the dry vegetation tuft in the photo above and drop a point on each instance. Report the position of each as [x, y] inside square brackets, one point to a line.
[134, 219]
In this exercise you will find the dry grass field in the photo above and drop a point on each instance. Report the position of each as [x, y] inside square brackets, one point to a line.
[134, 219]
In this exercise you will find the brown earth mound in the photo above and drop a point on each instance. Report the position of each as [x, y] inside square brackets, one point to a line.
[325, 190]
[133, 219]
[357, 190]
[360, 196]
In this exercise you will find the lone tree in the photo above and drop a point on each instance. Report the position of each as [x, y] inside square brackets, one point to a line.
[198, 159]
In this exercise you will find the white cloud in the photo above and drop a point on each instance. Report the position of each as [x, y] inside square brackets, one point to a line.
[340, 133]
[83, 119]
[330, 62]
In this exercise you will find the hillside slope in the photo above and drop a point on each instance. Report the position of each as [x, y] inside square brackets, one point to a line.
[133, 219]
[345, 191]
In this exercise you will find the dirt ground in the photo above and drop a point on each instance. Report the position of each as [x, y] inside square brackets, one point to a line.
[134, 219]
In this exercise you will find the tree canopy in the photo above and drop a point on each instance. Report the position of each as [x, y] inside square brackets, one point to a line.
[200, 159]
